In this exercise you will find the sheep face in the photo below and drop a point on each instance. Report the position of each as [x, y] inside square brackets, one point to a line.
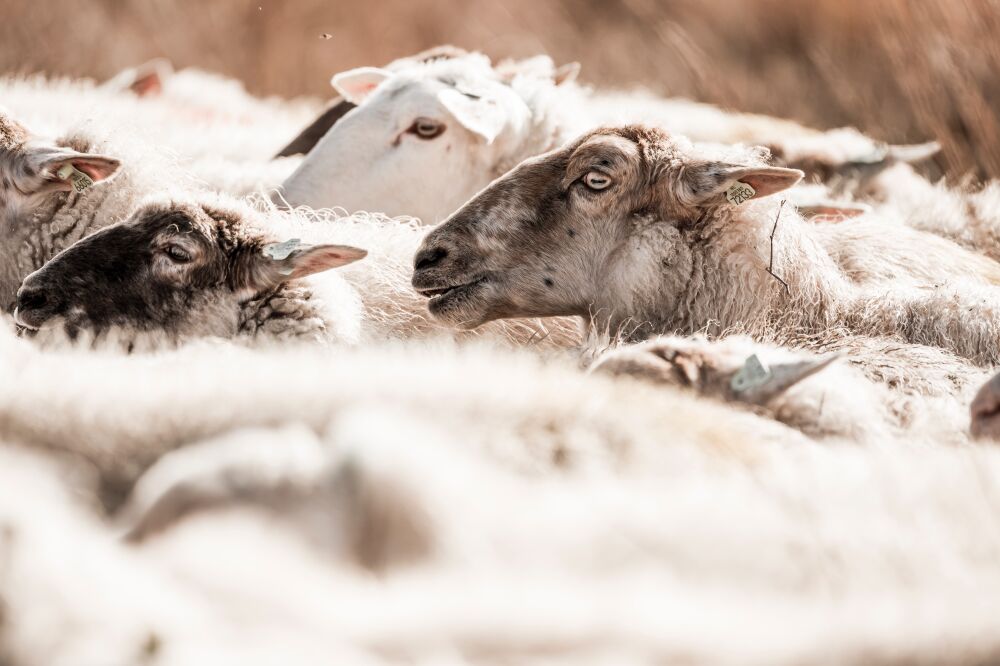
[34, 173]
[600, 224]
[432, 133]
[181, 268]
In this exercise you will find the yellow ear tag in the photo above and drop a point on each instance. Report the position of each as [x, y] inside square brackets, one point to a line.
[81, 181]
[740, 192]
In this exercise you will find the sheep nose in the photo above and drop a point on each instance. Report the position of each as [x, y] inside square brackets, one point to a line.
[31, 299]
[429, 258]
[34, 306]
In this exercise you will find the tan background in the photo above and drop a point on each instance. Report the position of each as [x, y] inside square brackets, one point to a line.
[900, 70]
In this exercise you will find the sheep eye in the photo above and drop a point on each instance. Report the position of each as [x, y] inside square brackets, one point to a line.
[426, 128]
[597, 181]
[177, 254]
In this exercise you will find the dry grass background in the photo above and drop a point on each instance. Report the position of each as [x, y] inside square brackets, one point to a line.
[901, 70]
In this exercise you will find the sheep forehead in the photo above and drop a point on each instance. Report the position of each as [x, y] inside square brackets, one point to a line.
[171, 218]
[469, 66]
[407, 94]
[616, 150]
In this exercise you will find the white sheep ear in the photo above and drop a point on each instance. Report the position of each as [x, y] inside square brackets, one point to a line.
[355, 85]
[477, 114]
[707, 182]
[294, 259]
[65, 171]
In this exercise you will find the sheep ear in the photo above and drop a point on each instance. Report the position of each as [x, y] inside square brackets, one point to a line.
[146, 80]
[319, 258]
[293, 259]
[477, 114]
[757, 383]
[566, 73]
[708, 182]
[355, 85]
[65, 171]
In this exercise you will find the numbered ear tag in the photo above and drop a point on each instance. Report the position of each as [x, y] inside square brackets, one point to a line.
[754, 373]
[281, 251]
[740, 192]
[80, 180]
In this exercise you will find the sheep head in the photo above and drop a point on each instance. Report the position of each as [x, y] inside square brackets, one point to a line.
[34, 171]
[183, 268]
[607, 222]
[434, 132]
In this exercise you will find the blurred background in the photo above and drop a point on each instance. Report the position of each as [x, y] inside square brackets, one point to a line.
[900, 70]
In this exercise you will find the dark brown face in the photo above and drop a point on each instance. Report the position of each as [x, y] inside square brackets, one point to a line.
[184, 269]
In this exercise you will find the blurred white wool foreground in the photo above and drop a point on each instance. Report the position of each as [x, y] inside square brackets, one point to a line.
[389, 504]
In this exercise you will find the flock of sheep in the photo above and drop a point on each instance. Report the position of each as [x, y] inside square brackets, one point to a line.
[601, 377]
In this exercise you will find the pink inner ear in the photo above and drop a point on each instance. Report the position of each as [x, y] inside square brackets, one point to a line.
[147, 85]
[98, 168]
[771, 180]
[323, 258]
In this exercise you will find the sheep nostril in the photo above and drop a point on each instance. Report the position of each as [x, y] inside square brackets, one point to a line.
[32, 300]
[429, 258]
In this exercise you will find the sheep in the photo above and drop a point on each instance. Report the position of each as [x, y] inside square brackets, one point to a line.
[52, 193]
[307, 139]
[203, 127]
[473, 122]
[559, 435]
[841, 402]
[285, 472]
[198, 114]
[638, 233]
[190, 269]
[963, 213]
[376, 291]
[534, 509]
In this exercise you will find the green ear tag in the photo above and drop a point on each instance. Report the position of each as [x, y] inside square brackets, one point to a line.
[281, 251]
[81, 181]
[740, 192]
[753, 374]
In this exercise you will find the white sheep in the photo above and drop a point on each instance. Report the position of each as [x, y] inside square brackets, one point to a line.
[823, 396]
[638, 233]
[536, 509]
[202, 126]
[473, 122]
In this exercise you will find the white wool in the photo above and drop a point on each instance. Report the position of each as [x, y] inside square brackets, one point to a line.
[200, 114]
[838, 402]
[962, 212]
[569, 518]
[207, 125]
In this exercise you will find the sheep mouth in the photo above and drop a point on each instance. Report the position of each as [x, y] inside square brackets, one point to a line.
[21, 325]
[439, 294]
